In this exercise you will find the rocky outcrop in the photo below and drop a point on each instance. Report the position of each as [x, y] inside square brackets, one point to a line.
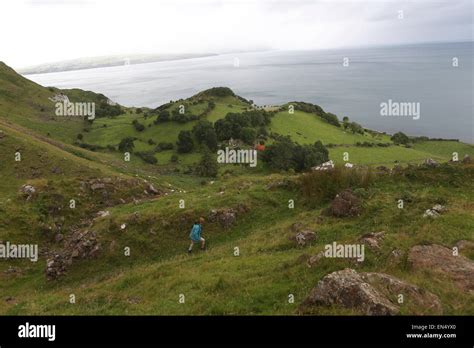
[303, 237]
[226, 216]
[28, 192]
[466, 159]
[370, 293]
[441, 260]
[434, 212]
[345, 204]
[80, 245]
[373, 240]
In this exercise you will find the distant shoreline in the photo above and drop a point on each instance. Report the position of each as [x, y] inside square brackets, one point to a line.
[105, 62]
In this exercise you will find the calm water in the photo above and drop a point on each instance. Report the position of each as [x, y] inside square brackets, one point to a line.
[415, 73]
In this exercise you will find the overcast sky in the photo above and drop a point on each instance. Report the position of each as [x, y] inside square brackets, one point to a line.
[39, 31]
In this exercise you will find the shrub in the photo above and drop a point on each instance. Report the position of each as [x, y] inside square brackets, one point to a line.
[126, 144]
[164, 146]
[324, 185]
[400, 138]
[185, 142]
[147, 157]
[208, 165]
[138, 126]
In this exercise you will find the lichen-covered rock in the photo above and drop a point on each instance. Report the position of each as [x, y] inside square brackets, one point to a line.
[371, 293]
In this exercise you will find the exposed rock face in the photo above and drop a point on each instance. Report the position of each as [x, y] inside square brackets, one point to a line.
[152, 189]
[370, 293]
[441, 260]
[303, 237]
[226, 216]
[27, 191]
[435, 211]
[80, 245]
[373, 240]
[344, 205]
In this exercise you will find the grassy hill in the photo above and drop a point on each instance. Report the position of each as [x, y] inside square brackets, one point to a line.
[114, 201]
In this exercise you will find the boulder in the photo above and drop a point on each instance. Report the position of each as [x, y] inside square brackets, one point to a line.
[345, 204]
[466, 159]
[430, 162]
[28, 191]
[373, 240]
[152, 189]
[370, 293]
[435, 211]
[303, 237]
[440, 260]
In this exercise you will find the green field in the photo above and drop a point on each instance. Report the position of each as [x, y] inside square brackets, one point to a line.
[268, 267]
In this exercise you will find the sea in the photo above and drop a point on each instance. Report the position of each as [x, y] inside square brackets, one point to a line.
[353, 82]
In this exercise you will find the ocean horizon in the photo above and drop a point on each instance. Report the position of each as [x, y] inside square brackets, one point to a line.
[352, 82]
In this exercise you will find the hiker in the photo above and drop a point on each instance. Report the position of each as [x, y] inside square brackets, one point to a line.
[195, 235]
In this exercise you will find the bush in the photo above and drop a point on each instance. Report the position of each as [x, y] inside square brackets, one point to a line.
[164, 146]
[400, 138]
[174, 159]
[248, 135]
[147, 157]
[208, 165]
[126, 144]
[323, 185]
[286, 155]
[205, 134]
[185, 142]
[163, 116]
[80, 136]
[138, 126]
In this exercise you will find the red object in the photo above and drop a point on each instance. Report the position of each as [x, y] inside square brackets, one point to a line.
[260, 147]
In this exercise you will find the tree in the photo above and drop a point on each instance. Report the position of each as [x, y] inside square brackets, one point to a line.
[356, 128]
[163, 116]
[208, 165]
[223, 129]
[138, 126]
[248, 135]
[285, 155]
[205, 134]
[126, 144]
[185, 142]
[400, 138]
[345, 122]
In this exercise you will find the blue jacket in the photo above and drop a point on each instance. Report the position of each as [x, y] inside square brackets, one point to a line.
[195, 234]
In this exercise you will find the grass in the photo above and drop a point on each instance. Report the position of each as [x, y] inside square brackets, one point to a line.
[269, 266]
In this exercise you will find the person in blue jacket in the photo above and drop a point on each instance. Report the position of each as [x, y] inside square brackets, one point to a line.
[195, 235]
